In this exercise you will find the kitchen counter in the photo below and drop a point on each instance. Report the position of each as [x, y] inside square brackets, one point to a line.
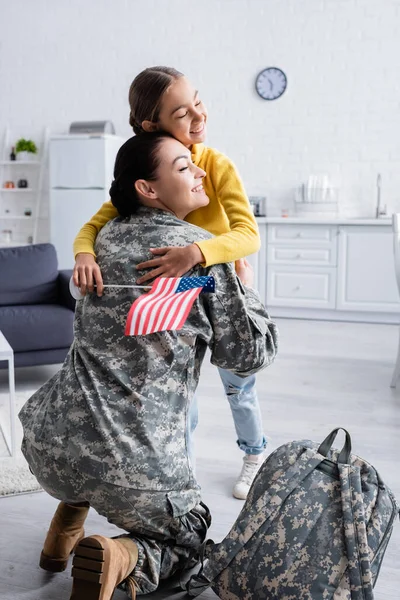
[327, 267]
[324, 221]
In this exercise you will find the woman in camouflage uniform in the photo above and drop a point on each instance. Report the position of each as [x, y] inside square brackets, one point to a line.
[109, 429]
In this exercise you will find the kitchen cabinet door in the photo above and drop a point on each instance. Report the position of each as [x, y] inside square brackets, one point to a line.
[302, 287]
[316, 235]
[366, 277]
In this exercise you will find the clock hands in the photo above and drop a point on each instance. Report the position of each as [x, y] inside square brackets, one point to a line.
[271, 83]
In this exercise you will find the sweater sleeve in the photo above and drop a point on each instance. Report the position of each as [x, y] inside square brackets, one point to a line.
[244, 238]
[84, 241]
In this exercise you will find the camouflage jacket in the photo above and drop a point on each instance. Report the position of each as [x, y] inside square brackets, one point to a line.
[118, 407]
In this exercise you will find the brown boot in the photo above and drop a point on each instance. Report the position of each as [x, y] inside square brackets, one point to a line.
[100, 564]
[66, 530]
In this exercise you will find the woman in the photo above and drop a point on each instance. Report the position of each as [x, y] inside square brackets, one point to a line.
[109, 430]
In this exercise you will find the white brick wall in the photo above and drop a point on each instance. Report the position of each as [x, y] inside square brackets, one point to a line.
[66, 61]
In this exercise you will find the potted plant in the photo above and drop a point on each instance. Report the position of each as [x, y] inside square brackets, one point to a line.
[25, 149]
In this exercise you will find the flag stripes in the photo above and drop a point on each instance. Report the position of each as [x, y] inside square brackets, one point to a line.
[166, 306]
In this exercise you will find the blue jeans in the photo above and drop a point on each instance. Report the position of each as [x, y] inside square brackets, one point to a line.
[242, 397]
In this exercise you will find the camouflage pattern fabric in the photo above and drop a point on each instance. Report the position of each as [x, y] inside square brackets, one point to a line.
[311, 529]
[166, 542]
[117, 410]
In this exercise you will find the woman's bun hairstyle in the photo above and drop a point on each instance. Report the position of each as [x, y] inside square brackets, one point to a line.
[125, 201]
[136, 159]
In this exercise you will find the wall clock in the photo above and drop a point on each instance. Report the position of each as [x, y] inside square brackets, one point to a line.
[271, 83]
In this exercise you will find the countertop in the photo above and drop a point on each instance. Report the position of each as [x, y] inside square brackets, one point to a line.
[324, 221]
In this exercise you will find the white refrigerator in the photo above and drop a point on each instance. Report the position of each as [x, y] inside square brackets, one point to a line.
[81, 172]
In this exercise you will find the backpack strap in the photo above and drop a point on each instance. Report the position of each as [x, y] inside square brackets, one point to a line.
[326, 445]
[263, 510]
[355, 533]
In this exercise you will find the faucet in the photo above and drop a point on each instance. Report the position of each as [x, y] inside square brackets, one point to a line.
[380, 212]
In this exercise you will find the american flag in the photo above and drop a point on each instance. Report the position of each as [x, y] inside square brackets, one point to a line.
[167, 305]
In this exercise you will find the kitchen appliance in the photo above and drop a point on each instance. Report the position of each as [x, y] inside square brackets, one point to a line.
[92, 127]
[258, 205]
[81, 172]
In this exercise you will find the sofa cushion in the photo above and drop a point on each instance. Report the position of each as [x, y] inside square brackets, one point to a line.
[37, 357]
[40, 327]
[28, 275]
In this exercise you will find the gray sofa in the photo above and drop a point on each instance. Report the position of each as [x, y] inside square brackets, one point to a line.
[36, 308]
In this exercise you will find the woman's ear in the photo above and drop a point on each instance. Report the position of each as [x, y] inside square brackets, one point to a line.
[149, 126]
[144, 188]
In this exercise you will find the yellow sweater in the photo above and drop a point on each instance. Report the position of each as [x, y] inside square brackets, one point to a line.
[228, 215]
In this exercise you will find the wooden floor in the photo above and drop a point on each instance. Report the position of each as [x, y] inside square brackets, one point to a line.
[327, 374]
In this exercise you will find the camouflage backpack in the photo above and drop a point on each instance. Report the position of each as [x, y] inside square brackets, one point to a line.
[315, 526]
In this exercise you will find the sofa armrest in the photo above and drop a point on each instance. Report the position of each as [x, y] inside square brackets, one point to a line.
[63, 289]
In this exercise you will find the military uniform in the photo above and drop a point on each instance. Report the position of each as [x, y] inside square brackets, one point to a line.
[109, 427]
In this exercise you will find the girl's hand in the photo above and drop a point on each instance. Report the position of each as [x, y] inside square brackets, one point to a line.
[87, 273]
[245, 272]
[170, 262]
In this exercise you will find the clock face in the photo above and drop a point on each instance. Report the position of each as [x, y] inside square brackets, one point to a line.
[271, 83]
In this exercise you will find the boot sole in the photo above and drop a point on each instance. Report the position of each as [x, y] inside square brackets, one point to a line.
[88, 569]
[56, 565]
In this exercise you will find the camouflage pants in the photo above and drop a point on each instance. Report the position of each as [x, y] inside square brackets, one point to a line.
[167, 543]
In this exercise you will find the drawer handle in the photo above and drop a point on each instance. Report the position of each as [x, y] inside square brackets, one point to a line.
[299, 235]
[297, 288]
[298, 256]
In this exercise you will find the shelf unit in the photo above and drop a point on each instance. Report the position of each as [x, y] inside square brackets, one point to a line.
[20, 162]
[17, 191]
[16, 227]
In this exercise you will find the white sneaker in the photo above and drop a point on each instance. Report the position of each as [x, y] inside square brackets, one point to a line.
[251, 464]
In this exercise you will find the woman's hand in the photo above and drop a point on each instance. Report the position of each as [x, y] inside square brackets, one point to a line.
[170, 262]
[87, 273]
[245, 272]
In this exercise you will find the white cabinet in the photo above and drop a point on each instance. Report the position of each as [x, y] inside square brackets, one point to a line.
[326, 271]
[320, 257]
[258, 263]
[366, 276]
[254, 260]
[306, 234]
[301, 266]
[301, 287]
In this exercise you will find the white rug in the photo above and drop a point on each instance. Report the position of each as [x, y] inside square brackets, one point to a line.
[15, 477]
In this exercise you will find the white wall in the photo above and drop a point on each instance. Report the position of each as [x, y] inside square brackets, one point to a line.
[66, 61]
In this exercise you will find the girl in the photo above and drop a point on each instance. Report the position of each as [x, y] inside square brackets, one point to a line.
[162, 99]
